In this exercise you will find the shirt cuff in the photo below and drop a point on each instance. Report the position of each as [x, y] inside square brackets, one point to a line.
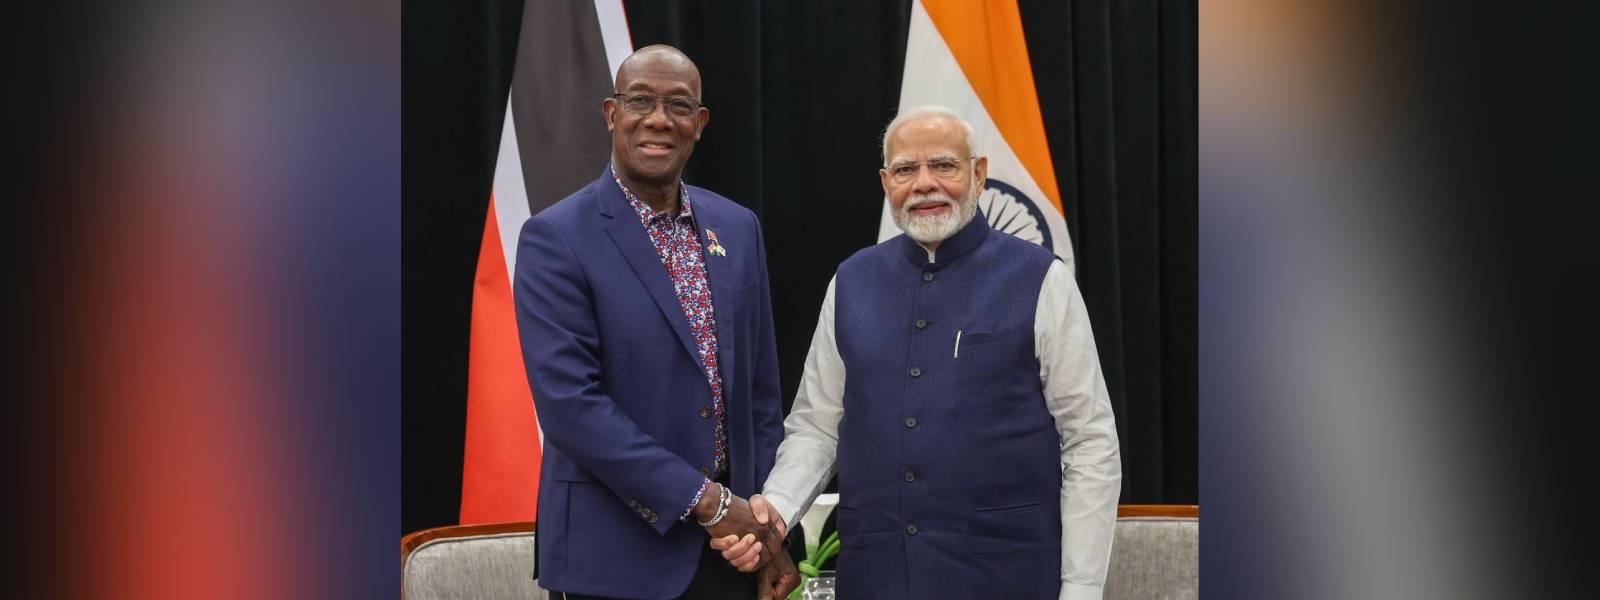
[785, 510]
[1075, 591]
[704, 484]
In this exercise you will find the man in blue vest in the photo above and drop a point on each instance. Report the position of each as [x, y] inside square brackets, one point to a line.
[953, 385]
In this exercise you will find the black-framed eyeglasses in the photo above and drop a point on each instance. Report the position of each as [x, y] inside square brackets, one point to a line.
[948, 168]
[644, 104]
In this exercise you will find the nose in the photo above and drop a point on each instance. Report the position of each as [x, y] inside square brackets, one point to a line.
[924, 182]
[657, 118]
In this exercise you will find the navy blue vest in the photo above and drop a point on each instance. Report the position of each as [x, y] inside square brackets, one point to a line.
[949, 461]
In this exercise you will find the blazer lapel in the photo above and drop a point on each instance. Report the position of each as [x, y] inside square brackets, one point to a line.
[720, 271]
[630, 237]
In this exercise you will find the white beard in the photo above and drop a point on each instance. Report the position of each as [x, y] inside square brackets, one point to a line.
[936, 228]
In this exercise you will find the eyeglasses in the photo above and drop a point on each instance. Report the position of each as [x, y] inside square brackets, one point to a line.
[948, 169]
[644, 104]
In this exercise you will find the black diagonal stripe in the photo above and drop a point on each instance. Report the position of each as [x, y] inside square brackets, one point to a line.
[561, 78]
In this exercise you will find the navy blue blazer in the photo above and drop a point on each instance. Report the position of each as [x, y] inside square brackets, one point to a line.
[620, 394]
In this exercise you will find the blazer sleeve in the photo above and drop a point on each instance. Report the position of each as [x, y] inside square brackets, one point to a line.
[561, 350]
[767, 390]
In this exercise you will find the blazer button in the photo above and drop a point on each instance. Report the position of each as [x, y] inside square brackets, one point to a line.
[634, 504]
[911, 530]
[927, 276]
[653, 518]
[704, 472]
[916, 372]
[911, 476]
[922, 323]
[705, 412]
[911, 422]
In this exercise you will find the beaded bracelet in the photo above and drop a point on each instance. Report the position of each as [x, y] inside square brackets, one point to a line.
[723, 500]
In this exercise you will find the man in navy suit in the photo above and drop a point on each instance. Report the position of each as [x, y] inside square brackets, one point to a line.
[646, 325]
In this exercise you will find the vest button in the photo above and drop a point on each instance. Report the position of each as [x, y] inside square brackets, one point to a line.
[916, 372]
[927, 276]
[911, 476]
[705, 412]
[922, 323]
[911, 422]
[911, 530]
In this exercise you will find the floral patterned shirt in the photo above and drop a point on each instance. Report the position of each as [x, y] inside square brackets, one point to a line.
[681, 254]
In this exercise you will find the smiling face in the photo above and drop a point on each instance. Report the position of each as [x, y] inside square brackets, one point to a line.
[652, 148]
[931, 180]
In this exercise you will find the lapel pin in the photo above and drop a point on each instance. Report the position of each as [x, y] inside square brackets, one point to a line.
[713, 246]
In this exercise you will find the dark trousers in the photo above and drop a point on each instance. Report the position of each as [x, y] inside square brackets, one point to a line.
[713, 580]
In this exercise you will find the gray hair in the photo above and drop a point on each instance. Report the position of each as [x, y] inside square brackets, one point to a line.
[919, 112]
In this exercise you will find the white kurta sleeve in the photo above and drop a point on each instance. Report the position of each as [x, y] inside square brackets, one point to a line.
[1091, 465]
[806, 458]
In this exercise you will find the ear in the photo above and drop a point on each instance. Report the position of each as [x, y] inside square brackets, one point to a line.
[980, 171]
[883, 178]
[608, 109]
[701, 117]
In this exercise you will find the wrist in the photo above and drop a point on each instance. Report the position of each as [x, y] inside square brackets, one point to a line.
[707, 506]
[777, 507]
[723, 500]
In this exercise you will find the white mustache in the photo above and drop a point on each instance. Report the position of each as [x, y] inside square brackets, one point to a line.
[922, 199]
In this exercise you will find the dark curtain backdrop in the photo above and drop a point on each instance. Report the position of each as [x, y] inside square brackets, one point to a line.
[798, 93]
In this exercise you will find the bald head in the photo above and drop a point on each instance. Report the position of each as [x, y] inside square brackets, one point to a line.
[655, 117]
[659, 62]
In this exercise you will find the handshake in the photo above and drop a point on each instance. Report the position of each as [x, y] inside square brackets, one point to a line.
[750, 536]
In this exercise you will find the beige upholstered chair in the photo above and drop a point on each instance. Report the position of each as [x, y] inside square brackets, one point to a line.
[1155, 557]
[469, 562]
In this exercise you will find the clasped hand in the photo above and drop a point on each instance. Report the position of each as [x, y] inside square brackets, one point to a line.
[750, 537]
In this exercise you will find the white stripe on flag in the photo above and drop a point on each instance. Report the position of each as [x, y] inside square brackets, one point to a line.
[614, 29]
[510, 193]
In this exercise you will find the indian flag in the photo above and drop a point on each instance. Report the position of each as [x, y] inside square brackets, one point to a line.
[552, 143]
[971, 56]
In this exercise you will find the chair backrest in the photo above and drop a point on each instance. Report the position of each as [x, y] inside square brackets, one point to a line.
[487, 562]
[1156, 555]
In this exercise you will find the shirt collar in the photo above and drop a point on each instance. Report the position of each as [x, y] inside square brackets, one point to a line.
[647, 214]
